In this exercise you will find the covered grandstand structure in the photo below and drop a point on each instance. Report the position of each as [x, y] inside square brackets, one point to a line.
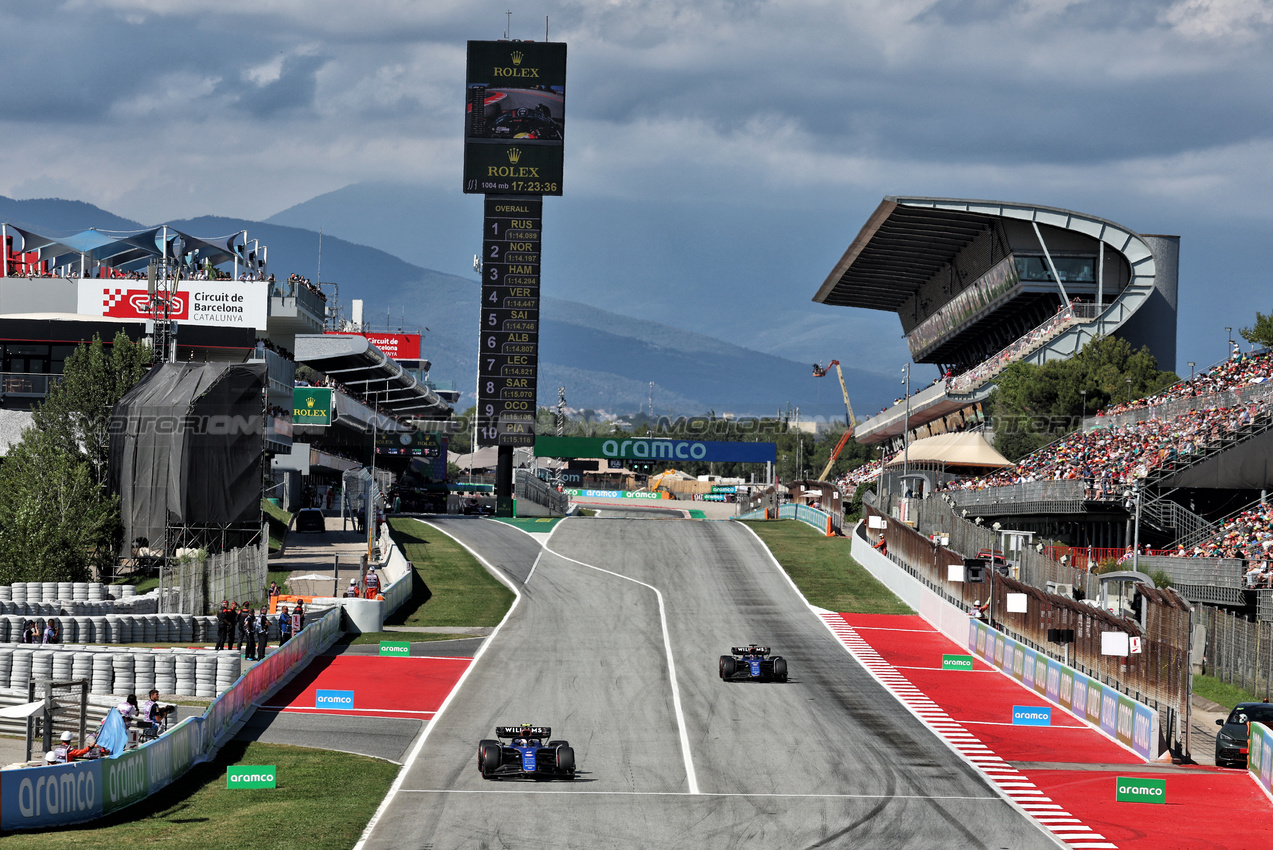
[977, 285]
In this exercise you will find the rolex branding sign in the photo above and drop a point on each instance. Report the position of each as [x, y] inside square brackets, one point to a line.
[311, 406]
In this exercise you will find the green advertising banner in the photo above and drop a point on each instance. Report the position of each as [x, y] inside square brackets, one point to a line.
[1131, 789]
[126, 780]
[312, 406]
[629, 448]
[401, 649]
[251, 776]
[956, 662]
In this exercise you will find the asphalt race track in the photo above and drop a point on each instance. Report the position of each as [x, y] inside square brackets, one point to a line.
[828, 759]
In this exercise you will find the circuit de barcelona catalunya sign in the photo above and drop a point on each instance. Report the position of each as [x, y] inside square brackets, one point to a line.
[626, 448]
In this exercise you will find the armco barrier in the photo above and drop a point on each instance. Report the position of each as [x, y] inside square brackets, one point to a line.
[1259, 761]
[816, 519]
[1131, 723]
[58, 795]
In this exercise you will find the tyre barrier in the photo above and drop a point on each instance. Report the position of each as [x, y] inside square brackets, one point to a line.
[85, 790]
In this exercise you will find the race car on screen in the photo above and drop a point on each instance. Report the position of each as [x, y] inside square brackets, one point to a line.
[526, 755]
[753, 662]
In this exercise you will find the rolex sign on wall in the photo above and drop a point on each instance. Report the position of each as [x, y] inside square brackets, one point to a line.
[515, 117]
[311, 406]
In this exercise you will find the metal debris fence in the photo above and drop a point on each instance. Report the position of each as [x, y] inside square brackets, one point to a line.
[1160, 675]
[196, 583]
[1238, 651]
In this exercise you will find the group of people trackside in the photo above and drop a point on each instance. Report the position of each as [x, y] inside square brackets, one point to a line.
[370, 586]
[41, 631]
[241, 627]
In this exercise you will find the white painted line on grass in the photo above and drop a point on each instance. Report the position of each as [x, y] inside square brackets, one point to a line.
[671, 665]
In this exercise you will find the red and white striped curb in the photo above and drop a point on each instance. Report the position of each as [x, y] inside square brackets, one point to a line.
[1015, 785]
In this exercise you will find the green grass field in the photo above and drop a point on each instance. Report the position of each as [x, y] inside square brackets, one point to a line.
[323, 800]
[823, 570]
[1209, 687]
[450, 587]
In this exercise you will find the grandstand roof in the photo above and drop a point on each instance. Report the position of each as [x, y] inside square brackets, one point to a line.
[897, 250]
[354, 361]
[132, 250]
[908, 240]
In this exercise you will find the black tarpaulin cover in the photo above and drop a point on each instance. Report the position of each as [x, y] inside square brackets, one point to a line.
[186, 446]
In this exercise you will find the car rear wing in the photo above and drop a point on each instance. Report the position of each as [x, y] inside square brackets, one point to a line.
[744, 650]
[523, 731]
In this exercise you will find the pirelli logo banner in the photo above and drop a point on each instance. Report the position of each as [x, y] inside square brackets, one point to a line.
[670, 451]
[508, 343]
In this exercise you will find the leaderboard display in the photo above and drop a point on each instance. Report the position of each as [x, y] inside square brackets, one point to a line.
[509, 341]
[515, 117]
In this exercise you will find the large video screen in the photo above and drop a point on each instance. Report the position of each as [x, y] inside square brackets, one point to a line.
[514, 117]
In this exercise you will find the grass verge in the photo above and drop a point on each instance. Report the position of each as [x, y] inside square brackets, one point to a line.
[823, 570]
[409, 637]
[1209, 687]
[279, 520]
[450, 588]
[309, 808]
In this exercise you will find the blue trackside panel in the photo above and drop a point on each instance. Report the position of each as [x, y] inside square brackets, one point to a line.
[755, 666]
[528, 760]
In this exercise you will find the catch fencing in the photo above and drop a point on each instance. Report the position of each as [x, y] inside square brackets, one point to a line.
[529, 490]
[1158, 676]
[196, 583]
[1238, 651]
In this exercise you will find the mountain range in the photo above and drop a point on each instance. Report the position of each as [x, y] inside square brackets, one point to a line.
[605, 360]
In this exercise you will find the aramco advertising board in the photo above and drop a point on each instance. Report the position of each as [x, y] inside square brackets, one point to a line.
[670, 450]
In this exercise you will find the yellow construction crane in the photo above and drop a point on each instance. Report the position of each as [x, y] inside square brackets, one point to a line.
[820, 371]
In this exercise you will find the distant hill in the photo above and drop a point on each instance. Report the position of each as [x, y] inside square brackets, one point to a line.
[606, 361]
[62, 216]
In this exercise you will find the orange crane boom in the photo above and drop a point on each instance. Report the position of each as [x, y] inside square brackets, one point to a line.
[849, 421]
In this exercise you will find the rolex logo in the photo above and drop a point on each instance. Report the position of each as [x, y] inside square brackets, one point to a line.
[309, 402]
[517, 57]
[514, 154]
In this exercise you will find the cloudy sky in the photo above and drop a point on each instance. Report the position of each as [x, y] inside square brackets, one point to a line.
[745, 141]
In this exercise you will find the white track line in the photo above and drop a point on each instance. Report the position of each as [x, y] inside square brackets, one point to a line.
[691, 777]
[1013, 784]
[419, 742]
[574, 791]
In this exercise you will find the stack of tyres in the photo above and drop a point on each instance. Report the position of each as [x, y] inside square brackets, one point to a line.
[143, 672]
[82, 666]
[184, 664]
[20, 673]
[125, 672]
[165, 671]
[206, 674]
[103, 674]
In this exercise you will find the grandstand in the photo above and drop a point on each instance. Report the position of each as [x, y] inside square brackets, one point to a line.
[977, 285]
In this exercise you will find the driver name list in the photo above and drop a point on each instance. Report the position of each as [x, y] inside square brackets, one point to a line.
[509, 338]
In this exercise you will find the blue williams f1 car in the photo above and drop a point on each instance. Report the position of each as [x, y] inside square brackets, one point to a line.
[753, 662]
[526, 755]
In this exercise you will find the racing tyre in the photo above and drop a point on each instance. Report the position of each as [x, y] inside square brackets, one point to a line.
[566, 759]
[780, 669]
[490, 759]
[481, 746]
[727, 666]
[558, 743]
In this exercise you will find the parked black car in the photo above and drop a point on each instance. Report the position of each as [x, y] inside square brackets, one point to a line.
[1232, 739]
[310, 519]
